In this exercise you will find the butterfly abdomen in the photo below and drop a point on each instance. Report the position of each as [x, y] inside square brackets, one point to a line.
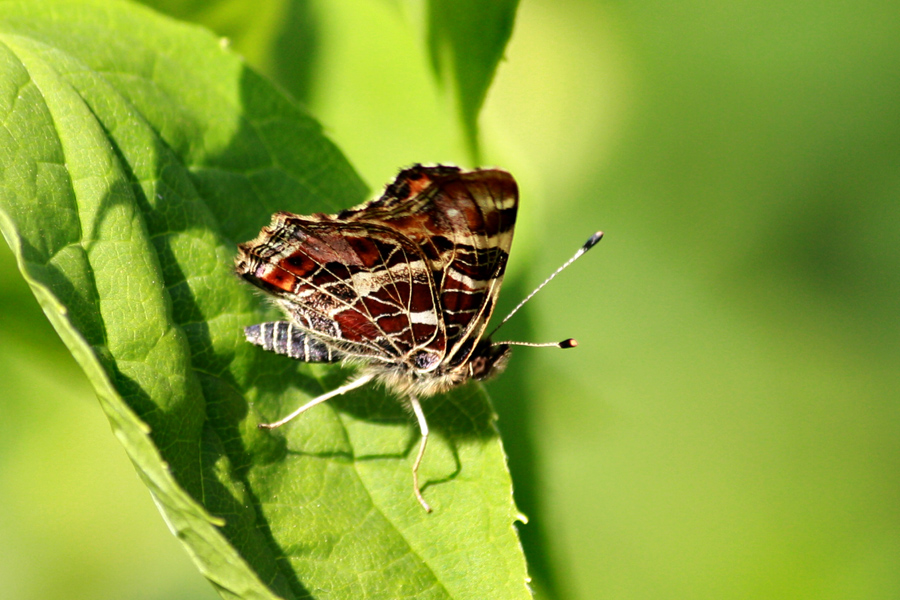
[282, 337]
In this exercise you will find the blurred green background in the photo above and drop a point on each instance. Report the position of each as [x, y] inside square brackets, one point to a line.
[729, 426]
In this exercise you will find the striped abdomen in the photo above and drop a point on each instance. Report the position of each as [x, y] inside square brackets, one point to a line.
[282, 337]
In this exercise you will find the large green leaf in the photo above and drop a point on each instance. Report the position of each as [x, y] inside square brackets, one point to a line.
[135, 153]
[466, 39]
[279, 38]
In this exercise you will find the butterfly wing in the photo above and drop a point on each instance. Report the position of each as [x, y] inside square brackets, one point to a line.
[362, 288]
[462, 222]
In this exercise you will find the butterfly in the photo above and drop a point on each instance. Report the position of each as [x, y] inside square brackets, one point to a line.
[402, 286]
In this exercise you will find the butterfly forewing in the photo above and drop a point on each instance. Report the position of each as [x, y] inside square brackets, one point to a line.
[463, 223]
[487, 203]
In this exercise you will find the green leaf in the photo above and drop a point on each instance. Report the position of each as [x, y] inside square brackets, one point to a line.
[278, 37]
[466, 39]
[135, 153]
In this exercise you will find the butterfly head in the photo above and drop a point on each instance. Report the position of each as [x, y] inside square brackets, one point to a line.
[488, 360]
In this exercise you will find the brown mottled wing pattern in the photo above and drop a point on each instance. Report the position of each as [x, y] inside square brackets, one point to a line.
[463, 223]
[410, 276]
[361, 287]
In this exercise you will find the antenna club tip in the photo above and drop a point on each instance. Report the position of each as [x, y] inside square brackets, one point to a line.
[569, 343]
[592, 241]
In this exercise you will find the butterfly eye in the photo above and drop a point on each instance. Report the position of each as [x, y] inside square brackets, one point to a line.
[491, 361]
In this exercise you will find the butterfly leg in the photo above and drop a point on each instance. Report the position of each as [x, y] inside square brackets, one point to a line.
[318, 400]
[423, 427]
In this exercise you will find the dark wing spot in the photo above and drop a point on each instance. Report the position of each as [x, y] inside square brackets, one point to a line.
[402, 191]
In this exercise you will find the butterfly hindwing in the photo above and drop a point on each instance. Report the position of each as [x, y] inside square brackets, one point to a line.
[364, 289]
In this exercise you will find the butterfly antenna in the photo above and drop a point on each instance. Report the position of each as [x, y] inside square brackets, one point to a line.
[570, 343]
